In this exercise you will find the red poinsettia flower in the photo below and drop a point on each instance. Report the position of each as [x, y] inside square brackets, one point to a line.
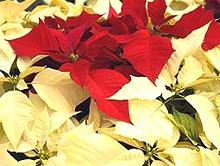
[146, 52]
[101, 56]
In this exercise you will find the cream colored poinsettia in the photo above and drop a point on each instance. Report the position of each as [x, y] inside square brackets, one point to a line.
[58, 105]
[28, 124]
[149, 124]
[150, 129]
[74, 148]
[188, 63]
[28, 121]
[12, 18]
[11, 27]
[12, 81]
[10, 10]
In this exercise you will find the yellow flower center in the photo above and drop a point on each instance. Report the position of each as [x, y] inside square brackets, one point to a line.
[73, 57]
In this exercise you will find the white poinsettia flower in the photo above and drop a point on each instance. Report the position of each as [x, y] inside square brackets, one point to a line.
[28, 121]
[10, 9]
[46, 155]
[25, 69]
[190, 72]
[79, 150]
[209, 117]
[149, 124]
[12, 15]
[74, 148]
[34, 127]
[16, 110]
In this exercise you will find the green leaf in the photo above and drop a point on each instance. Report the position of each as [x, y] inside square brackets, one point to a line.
[187, 125]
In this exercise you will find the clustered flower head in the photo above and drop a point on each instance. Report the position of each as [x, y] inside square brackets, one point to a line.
[109, 83]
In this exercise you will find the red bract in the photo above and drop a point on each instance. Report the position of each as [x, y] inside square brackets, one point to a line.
[44, 40]
[97, 44]
[148, 54]
[212, 36]
[137, 10]
[189, 22]
[156, 11]
[71, 22]
[102, 84]
[79, 71]
[183, 27]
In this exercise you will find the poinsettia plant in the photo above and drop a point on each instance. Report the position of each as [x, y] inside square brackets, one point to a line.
[141, 78]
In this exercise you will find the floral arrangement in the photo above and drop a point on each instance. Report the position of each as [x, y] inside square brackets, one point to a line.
[110, 83]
